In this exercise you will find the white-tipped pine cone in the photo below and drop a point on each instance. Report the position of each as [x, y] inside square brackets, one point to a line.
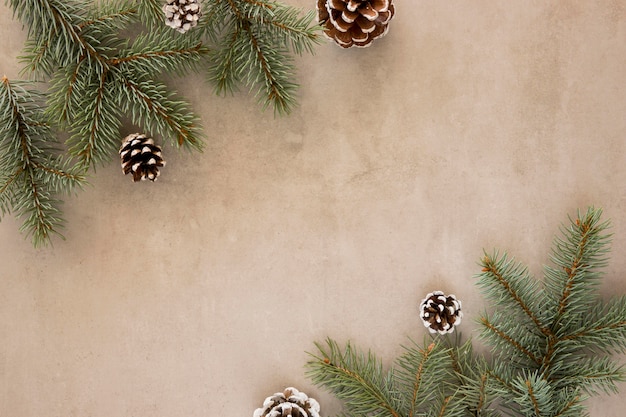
[289, 403]
[440, 313]
[141, 157]
[181, 15]
[355, 22]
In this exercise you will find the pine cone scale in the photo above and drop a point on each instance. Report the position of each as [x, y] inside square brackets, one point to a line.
[366, 26]
[336, 5]
[340, 24]
[381, 5]
[348, 16]
[353, 5]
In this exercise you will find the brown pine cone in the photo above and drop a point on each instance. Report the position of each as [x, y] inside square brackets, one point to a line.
[290, 402]
[181, 15]
[141, 157]
[440, 313]
[355, 22]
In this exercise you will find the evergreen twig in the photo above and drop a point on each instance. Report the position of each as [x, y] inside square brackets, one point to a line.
[31, 170]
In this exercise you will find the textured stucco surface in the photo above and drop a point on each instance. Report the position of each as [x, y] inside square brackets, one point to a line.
[472, 125]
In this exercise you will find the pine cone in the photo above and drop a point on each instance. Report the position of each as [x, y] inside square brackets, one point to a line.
[181, 15]
[290, 403]
[355, 22]
[141, 157]
[440, 313]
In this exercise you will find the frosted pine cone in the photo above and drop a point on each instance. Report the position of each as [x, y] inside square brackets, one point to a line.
[440, 313]
[181, 15]
[141, 157]
[290, 403]
[355, 22]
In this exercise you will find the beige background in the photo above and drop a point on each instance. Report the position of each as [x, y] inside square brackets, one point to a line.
[472, 125]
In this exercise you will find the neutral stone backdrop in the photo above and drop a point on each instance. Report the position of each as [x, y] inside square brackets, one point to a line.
[472, 125]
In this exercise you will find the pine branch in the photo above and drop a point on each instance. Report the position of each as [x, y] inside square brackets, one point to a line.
[150, 104]
[603, 330]
[509, 285]
[534, 396]
[423, 382]
[517, 342]
[420, 375]
[593, 375]
[288, 27]
[29, 175]
[269, 70]
[547, 347]
[159, 52]
[48, 18]
[578, 256]
[355, 378]
[150, 12]
[222, 70]
[253, 43]
[111, 14]
[37, 59]
[96, 125]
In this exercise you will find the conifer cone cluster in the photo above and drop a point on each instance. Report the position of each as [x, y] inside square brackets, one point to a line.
[290, 403]
[141, 157]
[355, 22]
[181, 15]
[440, 313]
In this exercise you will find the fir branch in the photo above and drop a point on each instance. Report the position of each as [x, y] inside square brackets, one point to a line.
[603, 329]
[417, 378]
[354, 378]
[472, 379]
[254, 45]
[28, 174]
[420, 374]
[47, 18]
[96, 126]
[593, 375]
[287, 26]
[268, 69]
[67, 87]
[216, 20]
[535, 396]
[159, 52]
[152, 105]
[502, 336]
[89, 97]
[222, 69]
[578, 255]
[509, 284]
[117, 14]
[37, 59]
[573, 408]
[150, 12]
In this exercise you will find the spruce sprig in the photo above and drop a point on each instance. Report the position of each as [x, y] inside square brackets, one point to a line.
[252, 43]
[548, 340]
[32, 169]
[422, 382]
